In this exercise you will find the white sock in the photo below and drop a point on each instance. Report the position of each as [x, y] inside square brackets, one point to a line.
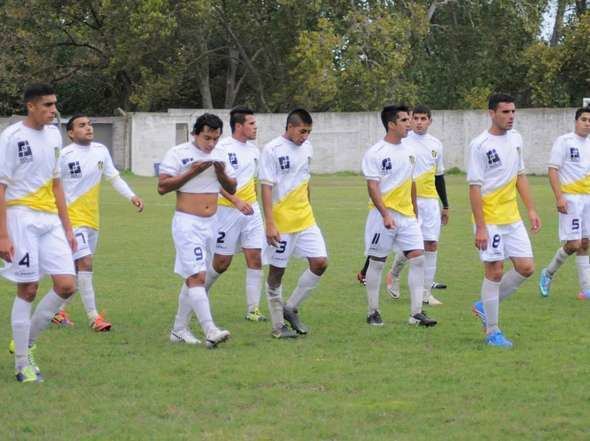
[429, 271]
[66, 303]
[558, 260]
[86, 289]
[398, 264]
[44, 312]
[275, 306]
[490, 297]
[511, 280]
[253, 288]
[416, 283]
[583, 266]
[197, 298]
[307, 281]
[183, 314]
[373, 283]
[211, 277]
[21, 323]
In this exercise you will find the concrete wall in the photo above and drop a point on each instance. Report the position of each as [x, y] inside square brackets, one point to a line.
[340, 139]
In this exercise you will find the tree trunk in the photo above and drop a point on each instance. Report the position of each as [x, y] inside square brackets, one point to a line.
[203, 70]
[558, 25]
[230, 79]
[581, 7]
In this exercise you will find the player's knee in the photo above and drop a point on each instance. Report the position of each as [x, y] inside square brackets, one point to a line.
[221, 263]
[318, 266]
[573, 246]
[84, 263]
[65, 288]
[526, 269]
[584, 245]
[28, 291]
[196, 280]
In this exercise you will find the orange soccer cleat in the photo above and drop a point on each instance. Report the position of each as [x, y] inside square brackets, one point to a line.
[99, 324]
[61, 318]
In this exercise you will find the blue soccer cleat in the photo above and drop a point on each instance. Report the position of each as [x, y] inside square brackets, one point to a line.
[545, 283]
[498, 340]
[478, 311]
[584, 295]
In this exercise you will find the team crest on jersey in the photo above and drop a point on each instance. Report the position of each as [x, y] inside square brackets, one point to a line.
[493, 158]
[25, 154]
[386, 166]
[574, 154]
[100, 165]
[75, 169]
[185, 161]
[233, 159]
[412, 159]
[284, 163]
[434, 154]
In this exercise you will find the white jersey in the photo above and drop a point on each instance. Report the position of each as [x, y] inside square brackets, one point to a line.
[429, 163]
[392, 165]
[286, 166]
[28, 165]
[243, 157]
[494, 164]
[571, 156]
[82, 168]
[179, 159]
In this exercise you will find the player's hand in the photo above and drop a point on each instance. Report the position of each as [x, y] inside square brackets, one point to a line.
[535, 221]
[71, 240]
[219, 167]
[444, 216]
[562, 205]
[135, 200]
[6, 249]
[273, 236]
[481, 238]
[199, 167]
[388, 221]
[244, 207]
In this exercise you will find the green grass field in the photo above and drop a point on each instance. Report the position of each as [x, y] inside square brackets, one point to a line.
[345, 381]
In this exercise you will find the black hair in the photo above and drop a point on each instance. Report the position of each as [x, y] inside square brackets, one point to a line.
[238, 116]
[582, 110]
[35, 91]
[299, 116]
[72, 120]
[390, 113]
[422, 109]
[209, 120]
[497, 98]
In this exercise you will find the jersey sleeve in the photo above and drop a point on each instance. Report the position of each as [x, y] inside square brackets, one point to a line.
[170, 164]
[267, 173]
[556, 156]
[440, 165]
[475, 166]
[109, 168]
[7, 159]
[369, 167]
[521, 167]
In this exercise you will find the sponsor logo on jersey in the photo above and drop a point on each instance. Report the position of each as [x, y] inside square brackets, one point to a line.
[25, 154]
[75, 169]
[233, 159]
[100, 165]
[284, 163]
[574, 154]
[493, 158]
[412, 159]
[386, 166]
[185, 161]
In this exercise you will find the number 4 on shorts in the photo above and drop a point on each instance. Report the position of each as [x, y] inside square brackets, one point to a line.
[25, 261]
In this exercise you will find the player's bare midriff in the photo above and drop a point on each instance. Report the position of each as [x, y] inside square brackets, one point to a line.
[198, 204]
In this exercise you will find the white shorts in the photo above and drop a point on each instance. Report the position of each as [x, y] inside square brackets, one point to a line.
[40, 246]
[576, 223]
[429, 218]
[506, 241]
[306, 243]
[379, 241]
[193, 239]
[235, 230]
[87, 238]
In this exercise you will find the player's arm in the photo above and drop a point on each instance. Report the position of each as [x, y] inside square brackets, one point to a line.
[272, 234]
[124, 190]
[62, 212]
[6, 247]
[441, 190]
[522, 185]
[560, 201]
[168, 183]
[481, 231]
[228, 183]
[375, 195]
[240, 204]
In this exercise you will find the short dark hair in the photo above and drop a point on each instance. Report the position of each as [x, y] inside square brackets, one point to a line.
[72, 120]
[238, 116]
[582, 110]
[35, 91]
[422, 109]
[297, 117]
[497, 98]
[390, 113]
[209, 120]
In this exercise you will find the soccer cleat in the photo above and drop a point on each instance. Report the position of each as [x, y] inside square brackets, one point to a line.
[27, 375]
[11, 347]
[432, 301]
[255, 316]
[478, 311]
[545, 283]
[438, 285]
[99, 324]
[216, 336]
[421, 319]
[284, 332]
[584, 295]
[62, 318]
[374, 319]
[183, 336]
[30, 358]
[361, 278]
[292, 316]
[393, 285]
[497, 339]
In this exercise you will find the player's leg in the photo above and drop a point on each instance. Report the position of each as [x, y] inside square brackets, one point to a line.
[253, 257]
[430, 225]
[21, 325]
[219, 265]
[430, 260]
[583, 267]
[361, 276]
[518, 247]
[393, 277]
[227, 233]
[490, 302]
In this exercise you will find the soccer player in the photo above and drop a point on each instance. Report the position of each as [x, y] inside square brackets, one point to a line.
[569, 175]
[388, 167]
[495, 174]
[239, 222]
[430, 185]
[290, 224]
[196, 171]
[36, 236]
[82, 166]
